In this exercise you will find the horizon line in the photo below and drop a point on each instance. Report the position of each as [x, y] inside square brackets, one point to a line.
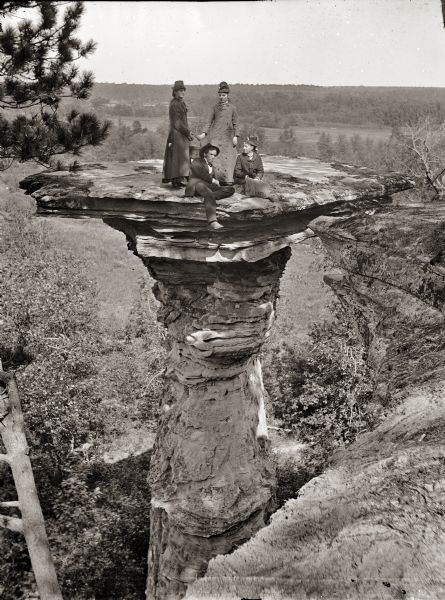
[281, 84]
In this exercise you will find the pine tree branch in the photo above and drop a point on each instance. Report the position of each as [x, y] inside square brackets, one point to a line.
[15, 105]
[37, 71]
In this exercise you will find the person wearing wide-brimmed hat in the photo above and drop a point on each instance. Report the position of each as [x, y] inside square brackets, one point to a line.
[249, 163]
[203, 183]
[222, 130]
[177, 154]
[249, 170]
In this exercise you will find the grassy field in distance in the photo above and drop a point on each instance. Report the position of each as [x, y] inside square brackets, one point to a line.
[312, 133]
[302, 133]
[150, 123]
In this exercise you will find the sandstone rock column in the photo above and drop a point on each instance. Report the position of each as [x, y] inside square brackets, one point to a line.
[211, 478]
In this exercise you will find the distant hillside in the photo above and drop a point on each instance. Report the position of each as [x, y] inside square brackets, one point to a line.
[298, 104]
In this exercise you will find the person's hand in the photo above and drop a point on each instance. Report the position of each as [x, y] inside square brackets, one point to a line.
[201, 136]
[191, 136]
[235, 140]
[216, 182]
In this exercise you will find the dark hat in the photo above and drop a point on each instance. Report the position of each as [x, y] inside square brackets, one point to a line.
[252, 140]
[206, 148]
[178, 85]
[224, 88]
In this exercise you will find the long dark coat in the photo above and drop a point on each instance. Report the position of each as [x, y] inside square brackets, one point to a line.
[177, 149]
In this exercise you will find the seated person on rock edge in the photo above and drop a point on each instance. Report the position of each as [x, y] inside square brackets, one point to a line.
[249, 163]
[249, 169]
[202, 183]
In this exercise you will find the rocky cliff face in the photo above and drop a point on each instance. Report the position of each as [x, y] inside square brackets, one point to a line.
[393, 280]
[211, 475]
[370, 527]
[373, 525]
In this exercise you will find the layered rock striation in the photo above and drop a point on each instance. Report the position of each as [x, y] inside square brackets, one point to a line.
[211, 477]
[392, 279]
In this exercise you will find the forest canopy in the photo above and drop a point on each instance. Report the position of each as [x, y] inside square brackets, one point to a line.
[384, 106]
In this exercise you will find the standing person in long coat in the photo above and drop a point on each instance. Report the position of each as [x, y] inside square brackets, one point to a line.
[222, 131]
[177, 150]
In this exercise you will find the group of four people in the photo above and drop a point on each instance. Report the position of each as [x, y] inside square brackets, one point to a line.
[212, 175]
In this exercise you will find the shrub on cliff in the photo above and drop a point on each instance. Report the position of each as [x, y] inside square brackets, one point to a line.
[321, 390]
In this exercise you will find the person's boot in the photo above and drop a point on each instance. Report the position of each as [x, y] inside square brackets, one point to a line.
[178, 183]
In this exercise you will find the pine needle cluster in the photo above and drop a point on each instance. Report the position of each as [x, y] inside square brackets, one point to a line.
[38, 52]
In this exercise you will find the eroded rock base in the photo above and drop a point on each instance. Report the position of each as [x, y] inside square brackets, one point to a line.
[211, 475]
[370, 528]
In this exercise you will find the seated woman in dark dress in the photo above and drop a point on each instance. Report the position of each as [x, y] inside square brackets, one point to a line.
[249, 163]
[249, 170]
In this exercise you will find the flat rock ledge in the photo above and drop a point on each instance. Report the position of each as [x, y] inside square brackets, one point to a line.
[161, 222]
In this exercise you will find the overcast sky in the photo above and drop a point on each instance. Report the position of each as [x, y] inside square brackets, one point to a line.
[322, 42]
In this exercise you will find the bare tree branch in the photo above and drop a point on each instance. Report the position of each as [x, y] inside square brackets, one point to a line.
[11, 523]
[10, 504]
[426, 141]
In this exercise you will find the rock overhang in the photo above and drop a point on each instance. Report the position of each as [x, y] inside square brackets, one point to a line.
[162, 222]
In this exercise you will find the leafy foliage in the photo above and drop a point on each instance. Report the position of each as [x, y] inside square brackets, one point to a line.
[79, 391]
[324, 146]
[128, 143]
[37, 70]
[322, 390]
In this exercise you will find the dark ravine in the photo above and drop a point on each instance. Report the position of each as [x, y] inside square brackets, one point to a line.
[211, 476]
